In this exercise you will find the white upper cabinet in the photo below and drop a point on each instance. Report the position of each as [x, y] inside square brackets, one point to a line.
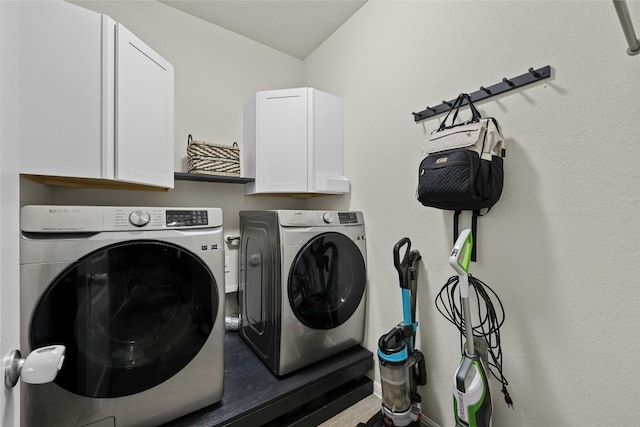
[96, 102]
[293, 142]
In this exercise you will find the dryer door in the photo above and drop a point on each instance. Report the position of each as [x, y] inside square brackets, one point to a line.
[131, 315]
[326, 281]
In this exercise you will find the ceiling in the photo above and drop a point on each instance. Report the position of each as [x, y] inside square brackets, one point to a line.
[295, 27]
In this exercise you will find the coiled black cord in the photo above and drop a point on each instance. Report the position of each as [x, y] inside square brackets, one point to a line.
[487, 326]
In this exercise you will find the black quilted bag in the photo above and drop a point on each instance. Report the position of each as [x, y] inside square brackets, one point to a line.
[463, 167]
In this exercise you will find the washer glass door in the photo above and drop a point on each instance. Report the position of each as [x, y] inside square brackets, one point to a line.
[326, 281]
[131, 315]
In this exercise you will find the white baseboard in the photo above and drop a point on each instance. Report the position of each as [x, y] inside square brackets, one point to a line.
[377, 389]
[425, 421]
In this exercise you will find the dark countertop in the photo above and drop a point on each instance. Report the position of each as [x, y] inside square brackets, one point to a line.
[253, 395]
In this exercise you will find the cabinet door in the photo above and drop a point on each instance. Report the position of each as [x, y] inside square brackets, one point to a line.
[282, 137]
[61, 90]
[144, 113]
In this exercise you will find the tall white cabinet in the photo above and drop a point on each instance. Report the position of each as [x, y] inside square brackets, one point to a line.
[293, 143]
[96, 101]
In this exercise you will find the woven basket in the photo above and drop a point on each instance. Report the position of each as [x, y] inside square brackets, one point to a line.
[213, 159]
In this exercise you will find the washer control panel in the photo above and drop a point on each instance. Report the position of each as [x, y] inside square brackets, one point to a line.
[348, 217]
[76, 219]
[186, 218]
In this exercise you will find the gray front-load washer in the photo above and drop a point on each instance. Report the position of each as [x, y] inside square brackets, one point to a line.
[302, 284]
[137, 297]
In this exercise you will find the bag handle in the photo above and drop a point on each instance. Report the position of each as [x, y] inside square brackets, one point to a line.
[475, 114]
[454, 106]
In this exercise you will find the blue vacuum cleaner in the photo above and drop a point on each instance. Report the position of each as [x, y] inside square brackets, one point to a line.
[402, 366]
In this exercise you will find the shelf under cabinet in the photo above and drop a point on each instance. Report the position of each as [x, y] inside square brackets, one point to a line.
[184, 176]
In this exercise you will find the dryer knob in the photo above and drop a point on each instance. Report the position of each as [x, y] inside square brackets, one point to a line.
[327, 218]
[139, 218]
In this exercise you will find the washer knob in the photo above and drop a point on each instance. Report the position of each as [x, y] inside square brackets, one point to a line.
[327, 217]
[139, 218]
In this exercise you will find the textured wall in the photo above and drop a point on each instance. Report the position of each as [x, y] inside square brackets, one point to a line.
[561, 247]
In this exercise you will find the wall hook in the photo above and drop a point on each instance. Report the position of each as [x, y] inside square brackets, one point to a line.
[448, 103]
[433, 110]
[482, 88]
[534, 72]
[509, 82]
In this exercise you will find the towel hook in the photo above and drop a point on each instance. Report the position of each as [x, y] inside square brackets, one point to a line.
[509, 82]
[534, 72]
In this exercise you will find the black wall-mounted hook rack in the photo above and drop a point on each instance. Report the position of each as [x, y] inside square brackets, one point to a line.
[487, 92]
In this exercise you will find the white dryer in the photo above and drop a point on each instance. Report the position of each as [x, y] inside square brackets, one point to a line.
[137, 297]
[302, 284]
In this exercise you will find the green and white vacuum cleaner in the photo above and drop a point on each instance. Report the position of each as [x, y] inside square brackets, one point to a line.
[471, 392]
[402, 367]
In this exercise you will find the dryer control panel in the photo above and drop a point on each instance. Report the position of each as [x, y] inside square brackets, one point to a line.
[303, 218]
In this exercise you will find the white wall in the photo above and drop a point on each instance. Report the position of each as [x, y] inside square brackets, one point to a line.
[561, 246]
[9, 197]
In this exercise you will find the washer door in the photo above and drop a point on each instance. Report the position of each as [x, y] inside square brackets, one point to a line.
[131, 315]
[326, 281]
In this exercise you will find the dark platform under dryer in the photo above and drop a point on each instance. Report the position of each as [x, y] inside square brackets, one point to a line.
[253, 396]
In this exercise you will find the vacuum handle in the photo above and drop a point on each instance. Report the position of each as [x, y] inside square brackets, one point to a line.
[459, 260]
[462, 373]
[462, 249]
[402, 266]
[421, 375]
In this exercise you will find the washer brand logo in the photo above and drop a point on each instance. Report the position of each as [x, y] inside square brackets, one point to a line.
[63, 211]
